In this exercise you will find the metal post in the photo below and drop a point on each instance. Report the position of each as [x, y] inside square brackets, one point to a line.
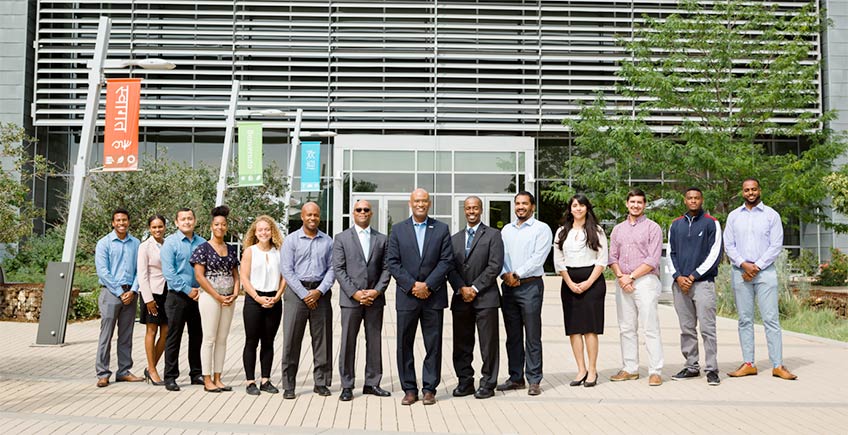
[228, 143]
[295, 142]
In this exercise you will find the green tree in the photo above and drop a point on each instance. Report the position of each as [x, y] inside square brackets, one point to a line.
[735, 72]
[248, 202]
[17, 211]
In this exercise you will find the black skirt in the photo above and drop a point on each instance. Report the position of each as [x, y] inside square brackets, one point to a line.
[583, 313]
[161, 318]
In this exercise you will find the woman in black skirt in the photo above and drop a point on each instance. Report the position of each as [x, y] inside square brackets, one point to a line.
[580, 256]
[151, 285]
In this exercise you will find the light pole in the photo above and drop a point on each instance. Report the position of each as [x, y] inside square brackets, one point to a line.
[57, 288]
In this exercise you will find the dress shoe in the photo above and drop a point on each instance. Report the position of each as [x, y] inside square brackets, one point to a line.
[321, 390]
[268, 387]
[226, 388]
[484, 393]
[579, 382]
[102, 382]
[149, 379]
[409, 398]
[782, 373]
[744, 370]
[655, 380]
[171, 386]
[252, 389]
[347, 395]
[376, 391]
[624, 376]
[129, 377]
[429, 398]
[511, 385]
[534, 390]
[288, 394]
[462, 391]
[589, 384]
[197, 380]
[211, 390]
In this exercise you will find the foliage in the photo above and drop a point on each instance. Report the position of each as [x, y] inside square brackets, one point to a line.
[30, 263]
[837, 187]
[807, 263]
[85, 306]
[16, 210]
[835, 272]
[248, 202]
[735, 72]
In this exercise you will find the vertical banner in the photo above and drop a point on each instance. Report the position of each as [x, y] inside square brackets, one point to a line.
[249, 154]
[310, 165]
[120, 143]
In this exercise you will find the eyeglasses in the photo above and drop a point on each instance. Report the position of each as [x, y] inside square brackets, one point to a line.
[362, 210]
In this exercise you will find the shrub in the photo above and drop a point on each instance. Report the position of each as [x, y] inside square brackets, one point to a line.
[85, 307]
[835, 272]
[807, 263]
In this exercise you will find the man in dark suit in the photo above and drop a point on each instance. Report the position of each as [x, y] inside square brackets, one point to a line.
[359, 255]
[478, 258]
[419, 257]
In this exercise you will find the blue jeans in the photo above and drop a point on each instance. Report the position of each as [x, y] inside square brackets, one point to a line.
[764, 287]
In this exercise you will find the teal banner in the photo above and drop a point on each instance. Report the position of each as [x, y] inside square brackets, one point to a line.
[249, 154]
[310, 167]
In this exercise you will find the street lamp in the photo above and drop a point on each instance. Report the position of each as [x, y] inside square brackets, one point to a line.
[57, 289]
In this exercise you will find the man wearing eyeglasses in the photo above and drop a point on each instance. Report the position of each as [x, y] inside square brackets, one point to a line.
[359, 261]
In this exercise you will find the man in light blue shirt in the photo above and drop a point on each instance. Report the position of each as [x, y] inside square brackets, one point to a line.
[753, 238]
[115, 261]
[181, 303]
[527, 243]
[306, 262]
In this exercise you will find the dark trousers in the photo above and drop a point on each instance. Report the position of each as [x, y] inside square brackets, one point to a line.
[486, 320]
[260, 326]
[522, 311]
[182, 310]
[297, 314]
[352, 319]
[431, 330]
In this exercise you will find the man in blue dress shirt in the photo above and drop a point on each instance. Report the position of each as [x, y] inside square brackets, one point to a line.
[115, 260]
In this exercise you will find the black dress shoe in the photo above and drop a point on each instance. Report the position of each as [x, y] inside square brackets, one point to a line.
[347, 395]
[484, 393]
[211, 390]
[376, 391]
[322, 390]
[288, 394]
[268, 387]
[226, 388]
[171, 386]
[511, 385]
[580, 381]
[252, 389]
[197, 380]
[462, 391]
[589, 384]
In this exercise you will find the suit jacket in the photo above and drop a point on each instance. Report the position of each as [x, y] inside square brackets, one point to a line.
[354, 272]
[480, 268]
[407, 266]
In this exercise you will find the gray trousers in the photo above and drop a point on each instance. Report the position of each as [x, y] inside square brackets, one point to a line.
[295, 316]
[113, 312]
[352, 319]
[697, 306]
[522, 313]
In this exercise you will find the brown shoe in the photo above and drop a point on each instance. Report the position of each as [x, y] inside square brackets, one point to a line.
[511, 385]
[429, 398]
[102, 382]
[782, 373]
[129, 377]
[743, 370]
[409, 398]
[624, 376]
[534, 390]
[655, 380]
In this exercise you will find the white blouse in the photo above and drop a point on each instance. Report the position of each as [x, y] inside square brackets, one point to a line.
[575, 253]
[265, 269]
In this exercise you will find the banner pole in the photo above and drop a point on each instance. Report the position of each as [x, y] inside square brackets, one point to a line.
[228, 144]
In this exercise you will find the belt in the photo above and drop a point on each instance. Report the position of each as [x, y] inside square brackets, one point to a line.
[523, 281]
[124, 287]
[310, 285]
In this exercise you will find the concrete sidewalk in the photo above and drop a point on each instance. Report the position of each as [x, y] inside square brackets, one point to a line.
[51, 390]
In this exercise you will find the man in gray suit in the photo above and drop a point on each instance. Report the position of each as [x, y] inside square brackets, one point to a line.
[359, 255]
[478, 254]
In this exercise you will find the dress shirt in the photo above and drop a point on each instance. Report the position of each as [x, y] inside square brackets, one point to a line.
[116, 262]
[364, 240]
[526, 247]
[420, 233]
[150, 278]
[175, 253]
[754, 235]
[575, 253]
[635, 243]
[305, 258]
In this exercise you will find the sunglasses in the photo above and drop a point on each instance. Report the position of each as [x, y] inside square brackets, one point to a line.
[362, 210]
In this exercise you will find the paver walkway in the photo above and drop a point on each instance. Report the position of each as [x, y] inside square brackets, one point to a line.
[51, 390]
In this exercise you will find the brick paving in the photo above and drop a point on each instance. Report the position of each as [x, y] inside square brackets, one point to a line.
[51, 390]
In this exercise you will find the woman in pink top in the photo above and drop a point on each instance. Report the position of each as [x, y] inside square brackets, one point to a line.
[151, 285]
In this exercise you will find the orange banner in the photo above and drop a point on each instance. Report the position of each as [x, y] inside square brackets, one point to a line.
[120, 144]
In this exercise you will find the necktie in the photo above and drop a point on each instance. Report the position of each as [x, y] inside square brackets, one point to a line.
[419, 235]
[469, 240]
[365, 241]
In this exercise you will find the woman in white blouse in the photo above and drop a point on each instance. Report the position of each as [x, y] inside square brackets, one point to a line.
[151, 285]
[580, 256]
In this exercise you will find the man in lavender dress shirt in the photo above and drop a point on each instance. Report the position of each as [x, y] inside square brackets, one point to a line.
[753, 238]
[634, 256]
[306, 262]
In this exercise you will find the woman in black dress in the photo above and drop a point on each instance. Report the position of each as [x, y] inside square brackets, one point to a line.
[580, 256]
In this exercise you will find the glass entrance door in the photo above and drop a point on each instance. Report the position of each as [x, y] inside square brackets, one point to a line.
[497, 211]
[386, 210]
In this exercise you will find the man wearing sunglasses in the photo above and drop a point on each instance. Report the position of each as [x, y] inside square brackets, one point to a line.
[359, 255]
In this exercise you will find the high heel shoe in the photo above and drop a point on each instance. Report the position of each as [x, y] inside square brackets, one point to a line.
[146, 376]
[589, 384]
[148, 379]
[580, 381]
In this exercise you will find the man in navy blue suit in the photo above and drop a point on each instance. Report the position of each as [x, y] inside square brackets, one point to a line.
[419, 258]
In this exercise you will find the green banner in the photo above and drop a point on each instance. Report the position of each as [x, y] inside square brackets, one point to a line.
[249, 154]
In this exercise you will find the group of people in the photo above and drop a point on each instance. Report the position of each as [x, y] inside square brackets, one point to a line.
[185, 280]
